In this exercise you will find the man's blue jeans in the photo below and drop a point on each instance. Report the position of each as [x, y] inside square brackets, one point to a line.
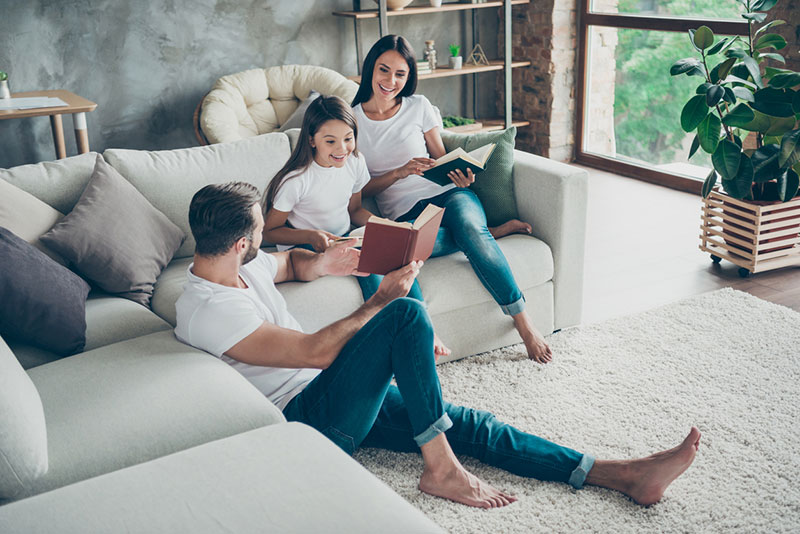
[464, 228]
[354, 403]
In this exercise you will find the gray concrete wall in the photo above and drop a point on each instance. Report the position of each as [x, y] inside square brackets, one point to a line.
[147, 63]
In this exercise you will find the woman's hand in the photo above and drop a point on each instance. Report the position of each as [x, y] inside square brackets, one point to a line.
[320, 239]
[415, 166]
[461, 179]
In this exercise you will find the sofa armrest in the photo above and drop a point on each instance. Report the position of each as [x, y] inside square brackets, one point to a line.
[552, 197]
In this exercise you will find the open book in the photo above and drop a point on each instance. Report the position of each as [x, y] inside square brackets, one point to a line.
[389, 245]
[459, 159]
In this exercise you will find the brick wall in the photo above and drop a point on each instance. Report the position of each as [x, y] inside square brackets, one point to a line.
[788, 10]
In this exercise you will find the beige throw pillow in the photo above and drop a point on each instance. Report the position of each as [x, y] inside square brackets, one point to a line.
[27, 216]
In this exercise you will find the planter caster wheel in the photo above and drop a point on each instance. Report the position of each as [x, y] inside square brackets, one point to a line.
[715, 259]
[744, 273]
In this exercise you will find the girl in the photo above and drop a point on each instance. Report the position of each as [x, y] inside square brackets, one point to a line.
[401, 136]
[315, 197]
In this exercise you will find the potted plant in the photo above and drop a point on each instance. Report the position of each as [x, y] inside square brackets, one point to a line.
[455, 59]
[5, 92]
[745, 114]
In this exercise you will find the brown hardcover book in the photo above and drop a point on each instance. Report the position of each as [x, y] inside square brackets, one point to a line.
[389, 245]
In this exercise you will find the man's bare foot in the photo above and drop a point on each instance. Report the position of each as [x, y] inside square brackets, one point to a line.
[538, 349]
[459, 485]
[514, 226]
[439, 348]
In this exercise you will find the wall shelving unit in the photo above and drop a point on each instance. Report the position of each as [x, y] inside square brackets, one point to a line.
[504, 64]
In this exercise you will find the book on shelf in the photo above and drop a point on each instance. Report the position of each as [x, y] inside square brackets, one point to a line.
[388, 245]
[459, 159]
[424, 66]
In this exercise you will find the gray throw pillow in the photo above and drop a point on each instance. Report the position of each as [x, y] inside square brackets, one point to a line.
[115, 237]
[23, 435]
[41, 302]
[295, 120]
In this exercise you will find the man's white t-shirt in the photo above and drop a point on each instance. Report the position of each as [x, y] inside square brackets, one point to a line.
[317, 198]
[391, 143]
[214, 318]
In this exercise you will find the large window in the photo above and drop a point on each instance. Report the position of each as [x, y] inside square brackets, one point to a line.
[629, 105]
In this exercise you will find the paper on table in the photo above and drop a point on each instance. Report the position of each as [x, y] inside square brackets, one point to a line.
[31, 102]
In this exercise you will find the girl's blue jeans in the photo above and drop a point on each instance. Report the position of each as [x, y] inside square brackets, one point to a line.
[354, 403]
[464, 228]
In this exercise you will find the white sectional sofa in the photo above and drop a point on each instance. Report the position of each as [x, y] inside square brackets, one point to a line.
[146, 434]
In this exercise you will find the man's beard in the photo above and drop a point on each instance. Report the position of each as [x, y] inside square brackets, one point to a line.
[250, 255]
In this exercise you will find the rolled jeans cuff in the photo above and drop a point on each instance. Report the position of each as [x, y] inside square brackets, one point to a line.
[440, 425]
[515, 307]
[578, 476]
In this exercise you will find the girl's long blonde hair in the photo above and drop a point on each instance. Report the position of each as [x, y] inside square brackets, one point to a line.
[321, 110]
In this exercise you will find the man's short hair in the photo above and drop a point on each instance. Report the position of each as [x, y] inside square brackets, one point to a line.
[221, 214]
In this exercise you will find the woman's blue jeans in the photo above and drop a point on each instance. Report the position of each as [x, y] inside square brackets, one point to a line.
[464, 228]
[354, 403]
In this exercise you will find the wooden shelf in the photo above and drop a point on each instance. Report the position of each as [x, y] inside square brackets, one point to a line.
[443, 72]
[373, 13]
[491, 125]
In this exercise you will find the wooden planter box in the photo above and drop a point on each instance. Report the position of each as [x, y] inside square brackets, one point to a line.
[756, 238]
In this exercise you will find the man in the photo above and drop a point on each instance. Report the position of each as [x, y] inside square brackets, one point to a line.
[338, 379]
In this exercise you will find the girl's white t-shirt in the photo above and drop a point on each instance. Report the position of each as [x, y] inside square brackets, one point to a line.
[317, 198]
[389, 144]
[214, 318]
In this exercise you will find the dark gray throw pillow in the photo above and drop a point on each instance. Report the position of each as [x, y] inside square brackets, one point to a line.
[295, 120]
[43, 303]
[115, 237]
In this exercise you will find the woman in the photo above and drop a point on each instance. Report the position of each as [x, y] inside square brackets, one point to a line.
[400, 140]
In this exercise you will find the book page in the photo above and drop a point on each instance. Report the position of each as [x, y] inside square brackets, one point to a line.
[481, 154]
[450, 156]
[388, 222]
[427, 214]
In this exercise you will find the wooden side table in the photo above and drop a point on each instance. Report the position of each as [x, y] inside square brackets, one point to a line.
[77, 106]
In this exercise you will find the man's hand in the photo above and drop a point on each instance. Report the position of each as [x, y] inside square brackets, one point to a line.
[460, 179]
[396, 284]
[340, 259]
[320, 239]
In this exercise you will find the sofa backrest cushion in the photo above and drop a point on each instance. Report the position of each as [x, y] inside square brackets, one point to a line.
[58, 183]
[169, 178]
[27, 216]
[23, 435]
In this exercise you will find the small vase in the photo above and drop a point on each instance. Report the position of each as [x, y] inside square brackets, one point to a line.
[436, 3]
[5, 92]
[455, 62]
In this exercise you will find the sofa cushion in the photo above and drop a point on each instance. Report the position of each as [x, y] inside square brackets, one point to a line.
[114, 237]
[109, 319]
[281, 478]
[136, 400]
[169, 287]
[43, 303]
[27, 216]
[169, 178]
[23, 435]
[295, 120]
[495, 184]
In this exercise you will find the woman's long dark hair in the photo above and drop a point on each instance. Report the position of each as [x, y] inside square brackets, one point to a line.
[399, 44]
[321, 110]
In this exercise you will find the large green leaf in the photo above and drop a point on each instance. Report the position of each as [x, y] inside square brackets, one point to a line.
[744, 93]
[720, 72]
[709, 183]
[761, 123]
[703, 88]
[708, 132]
[765, 163]
[788, 184]
[717, 47]
[796, 102]
[790, 149]
[785, 80]
[780, 125]
[736, 79]
[739, 117]
[763, 5]
[769, 25]
[714, 95]
[726, 159]
[694, 147]
[754, 70]
[693, 113]
[773, 102]
[730, 96]
[771, 40]
[755, 17]
[772, 55]
[684, 65]
[742, 184]
[703, 37]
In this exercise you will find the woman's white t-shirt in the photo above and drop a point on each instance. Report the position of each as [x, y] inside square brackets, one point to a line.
[214, 318]
[389, 144]
[318, 197]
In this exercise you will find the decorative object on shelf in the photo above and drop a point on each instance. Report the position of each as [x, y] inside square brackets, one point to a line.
[395, 5]
[5, 92]
[747, 121]
[455, 59]
[429, 54]
[477, 56]
[436, 3]
[423, 67]
[450, 121]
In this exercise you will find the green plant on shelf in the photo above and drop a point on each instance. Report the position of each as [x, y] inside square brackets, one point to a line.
[454, 50]
[738, 98]
[3, 76]
[453, 120]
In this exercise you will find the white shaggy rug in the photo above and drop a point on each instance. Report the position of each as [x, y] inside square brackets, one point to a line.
[726, 362]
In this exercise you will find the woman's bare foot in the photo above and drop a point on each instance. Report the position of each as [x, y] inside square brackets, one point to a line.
[439, 348]
[514, 226]
[538, 349]
[459, 485]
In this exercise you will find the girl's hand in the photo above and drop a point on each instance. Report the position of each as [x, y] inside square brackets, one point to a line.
[461, 179]
[415, 166]
[320, 239]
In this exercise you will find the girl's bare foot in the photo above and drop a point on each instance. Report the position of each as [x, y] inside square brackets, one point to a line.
[537, 348]
[439, 348]
[514, 226]
[459, 485]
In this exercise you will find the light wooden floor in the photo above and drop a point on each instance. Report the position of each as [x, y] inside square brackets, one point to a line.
[642, 252]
